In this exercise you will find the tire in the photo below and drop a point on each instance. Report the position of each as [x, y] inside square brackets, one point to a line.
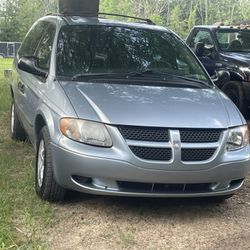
[16, 129]
[235, 92]
[45, 183]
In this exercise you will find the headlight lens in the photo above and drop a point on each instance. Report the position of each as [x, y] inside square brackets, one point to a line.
[238, 138]
[88, 132]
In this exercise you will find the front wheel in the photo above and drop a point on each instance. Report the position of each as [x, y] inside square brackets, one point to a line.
[234, 90]
[45, 183]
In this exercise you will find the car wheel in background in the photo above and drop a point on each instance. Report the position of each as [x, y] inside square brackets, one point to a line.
[16, 129]
[234, 91]
[45, 183]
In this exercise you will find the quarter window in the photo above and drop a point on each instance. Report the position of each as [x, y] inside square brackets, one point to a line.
[43, 52]
[32, 39]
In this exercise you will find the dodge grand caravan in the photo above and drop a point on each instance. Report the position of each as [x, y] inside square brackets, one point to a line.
[125, 109]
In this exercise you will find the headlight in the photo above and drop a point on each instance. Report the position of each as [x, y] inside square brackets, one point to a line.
[238, 138]
[92, 133]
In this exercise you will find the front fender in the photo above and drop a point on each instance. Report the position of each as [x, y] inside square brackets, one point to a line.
[47, 117]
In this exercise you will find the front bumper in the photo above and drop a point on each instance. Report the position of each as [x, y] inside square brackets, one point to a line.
[107, 176]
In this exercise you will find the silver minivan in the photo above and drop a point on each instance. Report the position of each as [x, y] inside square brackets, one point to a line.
[125, 109]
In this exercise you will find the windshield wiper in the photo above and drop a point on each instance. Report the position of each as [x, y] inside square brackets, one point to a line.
[193, 80]
[118, 74]
[144, 73]
[154, 72]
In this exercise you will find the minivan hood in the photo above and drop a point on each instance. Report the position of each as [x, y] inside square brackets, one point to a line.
[243, 57]
[137, 105]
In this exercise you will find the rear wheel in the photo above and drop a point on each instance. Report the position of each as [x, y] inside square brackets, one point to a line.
[45, 183]
[16, 129]
[235, 92]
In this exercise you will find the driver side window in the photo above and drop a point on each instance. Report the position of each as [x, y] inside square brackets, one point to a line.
[202, 43]
[203, 36]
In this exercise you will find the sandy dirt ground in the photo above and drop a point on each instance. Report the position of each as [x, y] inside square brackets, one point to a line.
[93, 222]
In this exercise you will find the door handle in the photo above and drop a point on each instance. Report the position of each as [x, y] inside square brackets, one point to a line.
[21, 87]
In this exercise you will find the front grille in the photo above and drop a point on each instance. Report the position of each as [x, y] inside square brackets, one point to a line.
[144, 133]
[153, 154]
[200, 135]
[197, 154]
[155, 134]
[163, 188]
[161, 153]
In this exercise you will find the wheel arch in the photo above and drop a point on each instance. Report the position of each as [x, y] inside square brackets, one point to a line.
[236, 76]
[44, 118]
[11, 92]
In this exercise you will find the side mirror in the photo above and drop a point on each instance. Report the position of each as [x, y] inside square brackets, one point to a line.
[28, 64]
[221, 77]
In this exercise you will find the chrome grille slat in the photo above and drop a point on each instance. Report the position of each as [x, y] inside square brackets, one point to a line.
[200, 145]
[149, 144]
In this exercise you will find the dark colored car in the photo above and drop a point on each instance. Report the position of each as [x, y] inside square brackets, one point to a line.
[225, 47]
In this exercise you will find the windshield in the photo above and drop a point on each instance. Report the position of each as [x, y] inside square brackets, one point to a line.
[92, 49]
[234, 40]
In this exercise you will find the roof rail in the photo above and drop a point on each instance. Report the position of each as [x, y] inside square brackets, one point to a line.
[147, 20]
[88, 14]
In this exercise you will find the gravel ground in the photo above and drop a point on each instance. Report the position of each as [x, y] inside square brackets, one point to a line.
[96, 222]
[93, 222]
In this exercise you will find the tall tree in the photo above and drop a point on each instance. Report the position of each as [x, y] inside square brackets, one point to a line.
[16, 16]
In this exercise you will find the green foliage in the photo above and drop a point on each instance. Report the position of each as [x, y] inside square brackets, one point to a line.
[22, 213]
[192, 18]
[176, 24]
[4, 86]
[16, 16]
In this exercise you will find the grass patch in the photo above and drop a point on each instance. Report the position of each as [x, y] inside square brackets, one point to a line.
[23, 216]
[4, 85]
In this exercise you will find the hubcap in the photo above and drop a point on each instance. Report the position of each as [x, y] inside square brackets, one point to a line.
[40, 163]
[12, 118]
